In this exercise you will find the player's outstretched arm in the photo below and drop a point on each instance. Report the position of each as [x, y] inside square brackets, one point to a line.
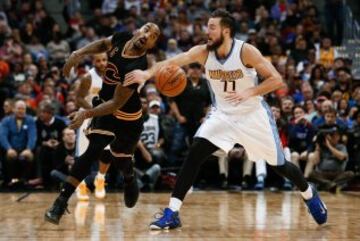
[82, 91]
[96, 47]
[121, 96]
[196, 54]
[252, 57]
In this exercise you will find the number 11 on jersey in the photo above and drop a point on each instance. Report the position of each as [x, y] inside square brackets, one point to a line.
[226, 85]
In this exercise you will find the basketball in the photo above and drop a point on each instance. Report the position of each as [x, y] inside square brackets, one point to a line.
[170, 80]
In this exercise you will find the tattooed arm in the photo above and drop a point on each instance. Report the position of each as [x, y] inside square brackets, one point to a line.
[121, 96]
[95, 47]
[82, 91]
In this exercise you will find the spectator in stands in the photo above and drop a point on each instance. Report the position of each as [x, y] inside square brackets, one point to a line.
[172, 48]
[326, 53]
[318, 77]
[63, 155]
[8, 107]
[329, 158]
[323, 105]
[301, 134]
[287, 105]
[89, 37]
[11, 51]
[330, 118]
[24, 92]
[344, 82]
[300, 51]
[18, 139]
[58, 48]
[310, 110]
[149, 153]
[49, 129]
[188, 108]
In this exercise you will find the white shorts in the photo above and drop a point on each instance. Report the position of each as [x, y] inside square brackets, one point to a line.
[82, 141]
[255, 130]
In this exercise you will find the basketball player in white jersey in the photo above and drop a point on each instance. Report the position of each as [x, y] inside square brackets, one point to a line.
[239, 113]
[88, 88]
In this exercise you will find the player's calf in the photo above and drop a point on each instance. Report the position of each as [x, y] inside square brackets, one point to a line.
[54, 214]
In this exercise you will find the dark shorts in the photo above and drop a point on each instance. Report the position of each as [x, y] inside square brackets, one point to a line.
[126, 133]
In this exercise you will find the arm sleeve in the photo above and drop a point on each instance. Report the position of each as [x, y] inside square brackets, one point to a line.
[4, 131]
[32, 134]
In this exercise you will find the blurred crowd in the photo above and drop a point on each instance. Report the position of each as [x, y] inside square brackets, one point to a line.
[317, 114]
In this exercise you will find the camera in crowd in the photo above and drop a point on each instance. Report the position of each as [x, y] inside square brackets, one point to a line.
[324, 132]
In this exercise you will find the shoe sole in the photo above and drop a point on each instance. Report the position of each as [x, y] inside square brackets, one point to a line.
[100, 195]
[154, 227]
[52, 221]
[83, 199]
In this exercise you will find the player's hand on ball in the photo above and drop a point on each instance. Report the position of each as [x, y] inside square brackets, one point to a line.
[76, 119]
[238, 97]
[136, 77]
[72, 61]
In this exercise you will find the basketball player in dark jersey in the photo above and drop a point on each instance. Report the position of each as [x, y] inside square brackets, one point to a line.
[117, 114]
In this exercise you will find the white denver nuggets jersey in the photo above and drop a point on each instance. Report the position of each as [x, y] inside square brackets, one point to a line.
[228, 75]
[150, 134]
[96, 84]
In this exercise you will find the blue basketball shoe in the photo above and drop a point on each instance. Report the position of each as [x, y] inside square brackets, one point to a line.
[168, 220]
[316, 207]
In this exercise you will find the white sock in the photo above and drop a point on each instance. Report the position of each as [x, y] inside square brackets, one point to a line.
[175, 204]
[307, 194]
[100, 175]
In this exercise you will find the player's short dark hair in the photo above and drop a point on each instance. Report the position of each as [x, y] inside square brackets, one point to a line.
[226, 20]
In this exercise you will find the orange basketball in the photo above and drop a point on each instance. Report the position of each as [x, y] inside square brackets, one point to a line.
[170, 80]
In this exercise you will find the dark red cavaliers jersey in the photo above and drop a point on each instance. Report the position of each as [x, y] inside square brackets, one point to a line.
[118, 66]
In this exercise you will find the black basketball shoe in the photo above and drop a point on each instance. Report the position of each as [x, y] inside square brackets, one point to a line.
[58, 209]
[131, 191]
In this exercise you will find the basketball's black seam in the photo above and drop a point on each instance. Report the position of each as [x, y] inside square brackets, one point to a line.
[161, 88]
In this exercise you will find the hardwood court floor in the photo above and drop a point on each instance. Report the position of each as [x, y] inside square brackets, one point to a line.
[205, 216]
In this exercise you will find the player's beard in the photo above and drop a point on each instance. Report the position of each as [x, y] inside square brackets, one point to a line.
[216, 44]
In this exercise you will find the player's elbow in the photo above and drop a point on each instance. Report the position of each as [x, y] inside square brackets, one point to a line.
[278, 81]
